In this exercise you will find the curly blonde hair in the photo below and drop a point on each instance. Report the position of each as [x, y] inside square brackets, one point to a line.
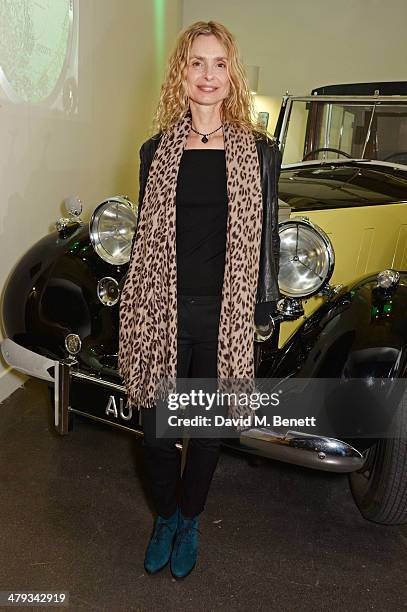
[237, 108]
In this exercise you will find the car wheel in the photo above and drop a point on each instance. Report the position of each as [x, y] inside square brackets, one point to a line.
[380, 487]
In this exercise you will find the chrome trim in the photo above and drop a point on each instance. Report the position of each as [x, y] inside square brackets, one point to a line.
[388, 279]
[28, 362]
[102, 293]
[53, 371]
[61, 224]
[290, 308]
[341, 130]
[328, 245]
[73, 344]
[282, 136]
[328, 126]
[348, 98]
[98, 381]
[304, 449]
[264, 333]
[308, 450]
[334, 163]
[94, 233]
[73, 205]
[330, 291]
[369, 129]
[61, 396]
[118, 425]
[95, 418]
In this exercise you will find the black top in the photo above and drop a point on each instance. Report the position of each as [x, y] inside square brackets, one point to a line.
[202, 207]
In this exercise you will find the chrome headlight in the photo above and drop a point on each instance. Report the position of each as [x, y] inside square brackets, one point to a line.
[306, 258]
[112, 228]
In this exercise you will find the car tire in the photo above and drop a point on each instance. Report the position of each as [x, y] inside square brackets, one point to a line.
[380, 487]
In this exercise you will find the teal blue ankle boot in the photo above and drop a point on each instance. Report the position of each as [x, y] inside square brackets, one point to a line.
[160, 545]
[184, 553]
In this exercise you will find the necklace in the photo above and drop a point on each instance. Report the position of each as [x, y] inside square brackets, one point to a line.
[205, 136]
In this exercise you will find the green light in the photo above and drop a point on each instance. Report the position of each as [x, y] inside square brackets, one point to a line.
[387, 308]
[74, 246]
[375, 311]
[159, 32]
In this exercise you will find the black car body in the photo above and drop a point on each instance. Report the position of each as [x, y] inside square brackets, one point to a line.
[61, 302]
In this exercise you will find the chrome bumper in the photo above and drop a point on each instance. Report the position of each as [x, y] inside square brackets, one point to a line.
[303, 449]
[60, 373]
[38, 366]
[27, 361]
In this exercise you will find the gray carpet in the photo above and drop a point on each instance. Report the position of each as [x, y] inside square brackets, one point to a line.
[75, 517]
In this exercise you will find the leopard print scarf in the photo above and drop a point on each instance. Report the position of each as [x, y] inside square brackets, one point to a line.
[148, 308]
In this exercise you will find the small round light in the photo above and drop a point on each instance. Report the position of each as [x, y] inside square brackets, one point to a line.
[388, 278]
[262, 334]
[108, 291]
[73, 344]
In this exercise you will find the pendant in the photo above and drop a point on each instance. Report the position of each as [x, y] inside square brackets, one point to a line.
[205, 139]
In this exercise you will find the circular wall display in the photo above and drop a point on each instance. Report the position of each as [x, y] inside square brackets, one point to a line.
[35, 48]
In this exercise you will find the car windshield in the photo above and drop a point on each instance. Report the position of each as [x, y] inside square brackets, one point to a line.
[321, 130]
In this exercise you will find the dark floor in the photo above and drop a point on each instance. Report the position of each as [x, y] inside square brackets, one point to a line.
[74, 517]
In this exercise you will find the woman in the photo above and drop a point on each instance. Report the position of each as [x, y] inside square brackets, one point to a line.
[204, 266]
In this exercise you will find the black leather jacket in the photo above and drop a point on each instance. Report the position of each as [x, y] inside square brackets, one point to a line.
[270, 162]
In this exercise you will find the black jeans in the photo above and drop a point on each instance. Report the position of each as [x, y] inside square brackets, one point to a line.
[198, 324]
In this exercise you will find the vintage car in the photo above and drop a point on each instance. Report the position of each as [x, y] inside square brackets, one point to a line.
[343, 280]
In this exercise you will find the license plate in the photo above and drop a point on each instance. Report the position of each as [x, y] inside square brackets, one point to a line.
[95, 400]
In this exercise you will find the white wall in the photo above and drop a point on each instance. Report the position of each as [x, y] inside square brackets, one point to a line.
[48, 155]
[302, 44]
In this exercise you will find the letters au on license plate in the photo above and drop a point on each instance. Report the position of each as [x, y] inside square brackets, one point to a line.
[96, 400]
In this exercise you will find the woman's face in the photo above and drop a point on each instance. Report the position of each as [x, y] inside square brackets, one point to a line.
[207, 76]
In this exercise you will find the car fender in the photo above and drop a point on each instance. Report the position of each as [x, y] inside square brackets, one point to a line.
[52, 292]
[359, 333]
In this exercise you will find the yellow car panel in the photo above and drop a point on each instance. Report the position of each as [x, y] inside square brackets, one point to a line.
[365, 239]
